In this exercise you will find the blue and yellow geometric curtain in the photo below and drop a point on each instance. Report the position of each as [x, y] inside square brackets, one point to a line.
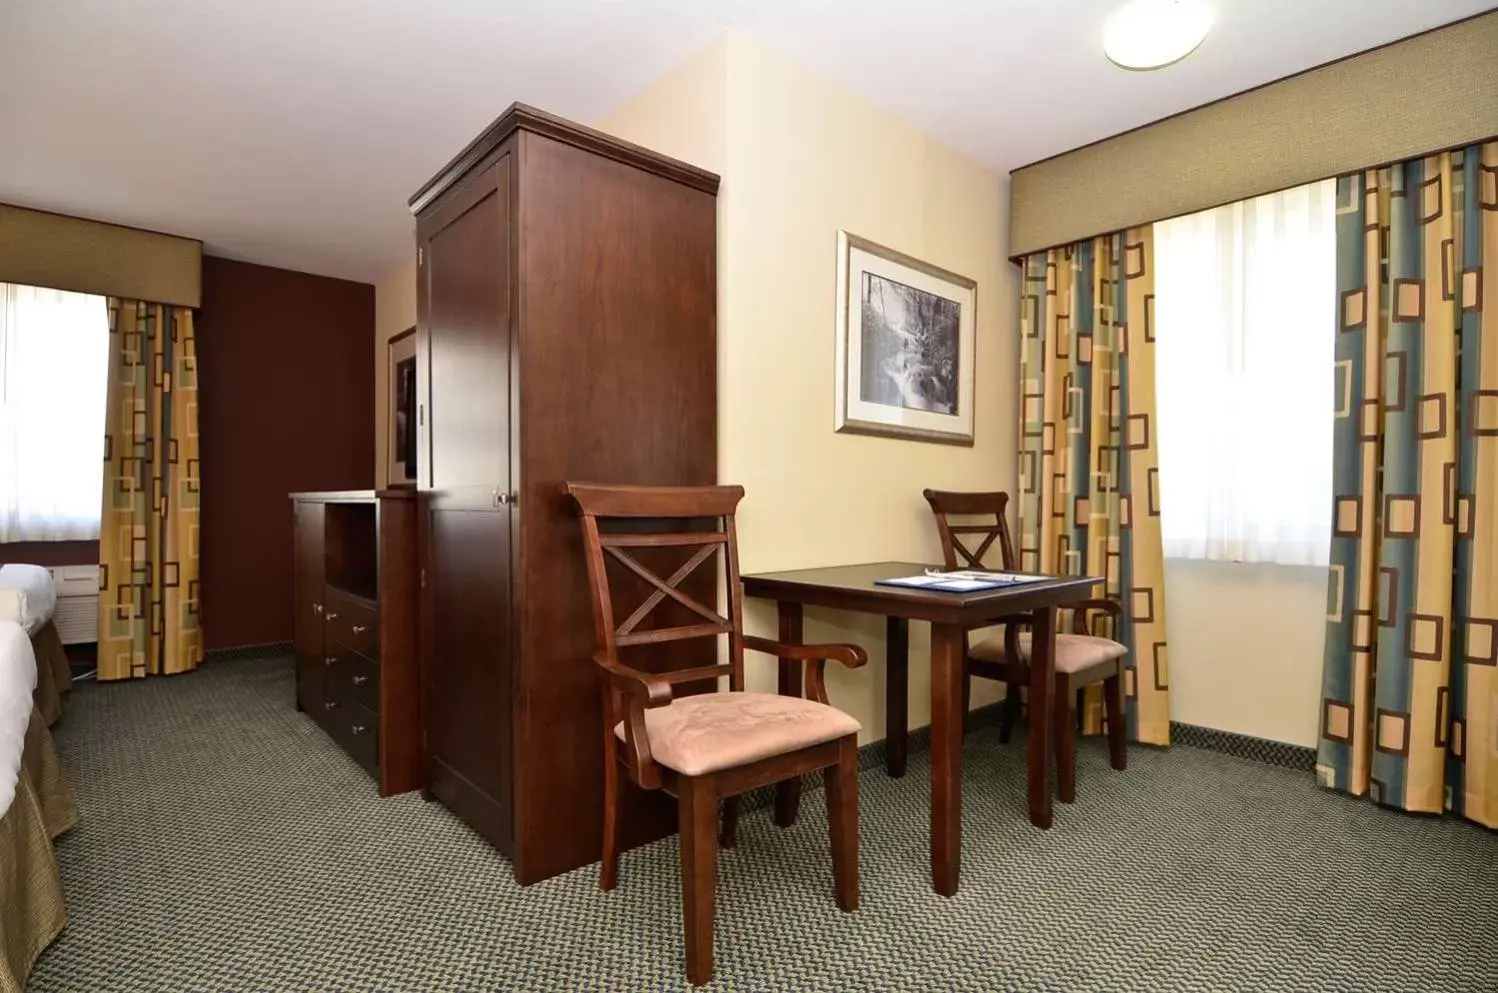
[149, 613]
[1088, 473]
[1410, 683]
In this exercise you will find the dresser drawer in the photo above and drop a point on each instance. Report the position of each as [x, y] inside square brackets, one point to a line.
[358, 732]
[353, 622]
[354, 677]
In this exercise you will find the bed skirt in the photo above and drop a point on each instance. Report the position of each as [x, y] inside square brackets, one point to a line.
[32, 912]
[53, 677]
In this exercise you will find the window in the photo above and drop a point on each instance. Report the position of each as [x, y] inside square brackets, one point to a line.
[1245, 314]
[54, 352]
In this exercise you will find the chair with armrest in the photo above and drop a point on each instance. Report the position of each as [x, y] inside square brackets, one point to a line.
[703, 747]
[1082, 658]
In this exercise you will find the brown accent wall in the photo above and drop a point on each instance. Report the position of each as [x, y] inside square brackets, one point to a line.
[286, 385]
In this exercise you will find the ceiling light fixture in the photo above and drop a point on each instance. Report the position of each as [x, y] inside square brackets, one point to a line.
[1152, 34]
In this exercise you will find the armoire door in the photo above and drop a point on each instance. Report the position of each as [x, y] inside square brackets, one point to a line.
[307, 597]
[465, 293]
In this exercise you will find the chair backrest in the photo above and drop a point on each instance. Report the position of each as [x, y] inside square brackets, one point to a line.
[656, 539]
[980, 534]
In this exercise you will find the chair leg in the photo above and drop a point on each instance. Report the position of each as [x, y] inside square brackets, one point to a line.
[842, 822]
[697, 813]
[613, 798]
[1012, 687]
[730, 836]
[1113, 700]
[1064, 726]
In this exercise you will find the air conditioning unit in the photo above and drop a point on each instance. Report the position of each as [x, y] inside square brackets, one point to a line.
[77, 614]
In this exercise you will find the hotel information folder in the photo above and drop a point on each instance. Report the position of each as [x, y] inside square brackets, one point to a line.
[961, 581]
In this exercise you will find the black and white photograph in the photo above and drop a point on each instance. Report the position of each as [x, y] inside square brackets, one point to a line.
[905, 344]
[909, 346]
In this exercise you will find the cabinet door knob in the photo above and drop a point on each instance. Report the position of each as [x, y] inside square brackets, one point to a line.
[331, 704]
[358, 729]
[330, 660]
[360, 629]
[317, 608]
[360, 680]
[332, 616]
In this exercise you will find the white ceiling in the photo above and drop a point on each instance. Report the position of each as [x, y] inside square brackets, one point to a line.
[291, 132]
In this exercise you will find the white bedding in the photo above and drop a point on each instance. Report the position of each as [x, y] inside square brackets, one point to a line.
[17, 682]
[27, 596]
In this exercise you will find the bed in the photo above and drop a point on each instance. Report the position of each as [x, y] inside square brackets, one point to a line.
[29, 598]
[35, 803]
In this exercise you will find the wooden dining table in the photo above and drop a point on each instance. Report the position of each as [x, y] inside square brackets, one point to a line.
[951, 616]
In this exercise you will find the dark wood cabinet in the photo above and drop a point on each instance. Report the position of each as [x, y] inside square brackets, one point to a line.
[566, 331]
[355, 627]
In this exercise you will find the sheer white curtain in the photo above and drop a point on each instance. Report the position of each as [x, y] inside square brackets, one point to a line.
[54, 354]
[1245, 322]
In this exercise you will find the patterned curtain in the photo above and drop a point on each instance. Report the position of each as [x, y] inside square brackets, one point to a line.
[1089, 486]
[149, 616]
[1410, 684]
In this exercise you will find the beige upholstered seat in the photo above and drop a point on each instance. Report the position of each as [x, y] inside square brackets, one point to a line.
[699, 734]
[1074, 652]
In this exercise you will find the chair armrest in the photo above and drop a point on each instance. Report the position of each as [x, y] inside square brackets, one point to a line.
[637, 691]
[649, 690]
[815, 657]
[1081, 608]
[851, 656]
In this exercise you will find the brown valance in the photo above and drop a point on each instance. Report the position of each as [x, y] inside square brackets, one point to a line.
[1424, 94]
[69, 253]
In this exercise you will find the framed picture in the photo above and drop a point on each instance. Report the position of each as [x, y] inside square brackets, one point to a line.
[400, 425]
[905, 345]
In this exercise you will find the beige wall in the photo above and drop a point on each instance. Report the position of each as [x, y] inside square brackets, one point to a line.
[395, 311]
[1245, 647]
[800, 159]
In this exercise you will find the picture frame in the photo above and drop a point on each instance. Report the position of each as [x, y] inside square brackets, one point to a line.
[400, 418]
[906, 346]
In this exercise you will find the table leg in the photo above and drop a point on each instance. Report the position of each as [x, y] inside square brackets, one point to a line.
[788, 792]
[946, 756]
[896, 694]
[1042, 686]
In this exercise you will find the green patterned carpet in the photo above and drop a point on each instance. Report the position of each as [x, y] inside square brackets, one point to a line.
[227, 844]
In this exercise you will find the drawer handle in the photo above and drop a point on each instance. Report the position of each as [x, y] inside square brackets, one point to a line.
[360, 680]
[331, 704]
[331, 616]
[358, 729]
[360, 629]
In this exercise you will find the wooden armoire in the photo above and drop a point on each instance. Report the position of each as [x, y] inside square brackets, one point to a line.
[566, 300]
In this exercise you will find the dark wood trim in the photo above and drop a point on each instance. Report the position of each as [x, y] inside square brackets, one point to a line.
[520, 116]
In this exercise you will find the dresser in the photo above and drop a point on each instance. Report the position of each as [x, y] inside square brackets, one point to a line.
[355, 627]
[566, 300]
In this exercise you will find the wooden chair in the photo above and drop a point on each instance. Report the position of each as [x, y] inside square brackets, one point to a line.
[1082, 658]
[705, 747]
